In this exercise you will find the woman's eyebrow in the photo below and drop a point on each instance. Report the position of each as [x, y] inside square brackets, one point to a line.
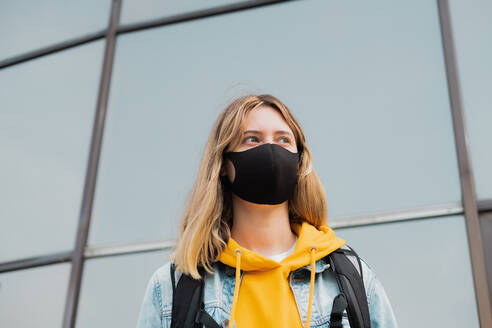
[284, 132]
[252, 131]
[276, 132]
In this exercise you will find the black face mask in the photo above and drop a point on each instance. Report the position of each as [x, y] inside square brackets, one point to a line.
[265, 174]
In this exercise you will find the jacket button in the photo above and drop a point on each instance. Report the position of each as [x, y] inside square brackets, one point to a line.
[225, 323]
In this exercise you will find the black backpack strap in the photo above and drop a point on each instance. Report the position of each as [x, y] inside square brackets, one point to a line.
[186, 301]
[173, 277]
[202, 317]
[339, 305]
[351, 286]
[187, 310]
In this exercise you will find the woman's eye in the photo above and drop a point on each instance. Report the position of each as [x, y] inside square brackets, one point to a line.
[251, 139]
[285, 140]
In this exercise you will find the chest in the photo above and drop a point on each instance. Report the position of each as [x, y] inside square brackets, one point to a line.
[284, 304]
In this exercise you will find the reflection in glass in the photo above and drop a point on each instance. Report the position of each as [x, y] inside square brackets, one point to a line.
[47, 111]
[417, 262]
[486, 228]
[472, 28]
[34, 297]
[30, 25]
[136, 11]
[116, 285]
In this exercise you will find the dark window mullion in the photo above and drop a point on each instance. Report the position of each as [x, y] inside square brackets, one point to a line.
[470, 204]
[91, 173]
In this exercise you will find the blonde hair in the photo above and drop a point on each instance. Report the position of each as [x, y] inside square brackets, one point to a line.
[207, 217]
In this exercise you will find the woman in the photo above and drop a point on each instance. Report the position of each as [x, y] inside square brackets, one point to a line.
[258, 208]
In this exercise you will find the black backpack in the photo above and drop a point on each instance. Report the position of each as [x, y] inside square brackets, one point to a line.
[188, 308]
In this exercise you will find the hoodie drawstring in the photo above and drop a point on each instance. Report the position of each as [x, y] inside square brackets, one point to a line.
[311, 287]
[237, 253]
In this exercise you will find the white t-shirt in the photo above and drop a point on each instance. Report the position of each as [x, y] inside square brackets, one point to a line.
[279, 257]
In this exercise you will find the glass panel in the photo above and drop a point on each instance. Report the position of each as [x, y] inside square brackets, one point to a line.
[47, 111]
[366, 81]
[27, 25]
[424, 267]
[102, 289]
[34, 297]
[472, 27]
[486, 225]
[134, 11]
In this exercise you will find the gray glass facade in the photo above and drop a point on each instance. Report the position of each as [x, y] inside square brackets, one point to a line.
[105, 107]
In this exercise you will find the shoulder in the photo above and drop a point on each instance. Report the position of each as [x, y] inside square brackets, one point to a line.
[369, 277]
[162, 274]
[362, 266]
[156, 307]
[372, 284]
[160, 284]
[380, 308]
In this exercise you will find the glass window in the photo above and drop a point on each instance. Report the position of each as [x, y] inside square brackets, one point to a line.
[117, 285]
[134, 11]
[366, 81]
[28, 25]
[425, 268]
[486, 225]
[472, 28]
[34, 297]
[47, 112]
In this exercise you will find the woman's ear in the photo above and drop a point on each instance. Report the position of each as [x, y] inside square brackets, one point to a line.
[228, 170]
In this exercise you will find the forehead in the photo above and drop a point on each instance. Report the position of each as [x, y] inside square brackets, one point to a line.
[265, 118]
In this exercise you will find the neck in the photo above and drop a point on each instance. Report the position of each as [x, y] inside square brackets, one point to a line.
[264, 229]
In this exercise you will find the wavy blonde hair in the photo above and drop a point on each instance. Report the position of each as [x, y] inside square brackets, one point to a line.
[207, 217]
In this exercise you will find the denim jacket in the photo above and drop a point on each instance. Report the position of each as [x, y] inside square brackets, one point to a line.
[155, 311]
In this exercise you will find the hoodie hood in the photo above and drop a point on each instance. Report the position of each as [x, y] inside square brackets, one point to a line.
[308, 236]
[265, 298]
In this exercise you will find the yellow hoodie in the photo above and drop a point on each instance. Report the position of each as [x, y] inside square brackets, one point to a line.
[263, 297]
